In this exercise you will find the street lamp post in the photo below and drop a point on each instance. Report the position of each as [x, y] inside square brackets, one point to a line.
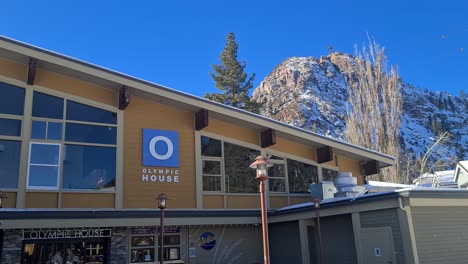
[319, 233]
[162, 205]
[261, 164]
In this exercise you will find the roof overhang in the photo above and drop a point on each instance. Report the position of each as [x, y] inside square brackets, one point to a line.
[21, 53]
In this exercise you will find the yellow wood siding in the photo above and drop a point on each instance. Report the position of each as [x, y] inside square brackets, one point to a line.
[213, 201]
[13, 70]
[278, 201]
[347, 164]
[88, 200]
[139, 194]
[232, 131]
[295, 149]
[10, 201]
[75, 87]
[41, 200]
[299, 199]
[243, 201]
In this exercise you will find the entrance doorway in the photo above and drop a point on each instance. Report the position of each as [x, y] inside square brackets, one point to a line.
[65, 251]
[377, 246]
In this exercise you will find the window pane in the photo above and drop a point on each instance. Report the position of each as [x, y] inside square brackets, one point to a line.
[240, 178]
[38, 130]
[9, 163]
[81, 112]
[49, 106]
[212, 183]
[45, 154]
[300, 176]
[10, 127]
[54, 131]
[211, 167]
[11, 99]
[277, 185]
[210, 147]
[89, 167]
[43, 176]
[90, 133]
[328, 175]
[276, 171]
[171, 240]
[140, 255]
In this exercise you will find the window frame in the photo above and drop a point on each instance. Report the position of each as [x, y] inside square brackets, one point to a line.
[59, 162]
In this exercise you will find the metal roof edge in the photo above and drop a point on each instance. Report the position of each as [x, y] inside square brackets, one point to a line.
[11, 214]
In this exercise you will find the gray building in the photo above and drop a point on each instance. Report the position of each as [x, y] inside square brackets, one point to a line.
[407, 226]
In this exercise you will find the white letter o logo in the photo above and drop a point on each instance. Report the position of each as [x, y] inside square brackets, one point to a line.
[152, 148]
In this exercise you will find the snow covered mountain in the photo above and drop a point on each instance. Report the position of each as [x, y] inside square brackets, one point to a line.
[312, 93]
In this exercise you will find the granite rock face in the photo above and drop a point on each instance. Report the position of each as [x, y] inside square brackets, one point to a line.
[311, 93]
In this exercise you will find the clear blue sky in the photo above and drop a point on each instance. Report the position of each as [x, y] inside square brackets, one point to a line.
[174, 43]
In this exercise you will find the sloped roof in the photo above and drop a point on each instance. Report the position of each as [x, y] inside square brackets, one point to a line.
[21, 53]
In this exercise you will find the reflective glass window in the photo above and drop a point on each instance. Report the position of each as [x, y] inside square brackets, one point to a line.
[43, 176]
[10, 127]
[11, 99]
[240, 178]
[9, 163]
[82, 112]
[210, 147]
[89, 167]
[54, 131]
[276, 174]
[328, 175]
[38, 130]
[300, 176]
[44, 160]
[90, 133]
[48, 106]
[47, 154]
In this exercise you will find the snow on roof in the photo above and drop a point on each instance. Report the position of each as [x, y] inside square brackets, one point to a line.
[388, 184]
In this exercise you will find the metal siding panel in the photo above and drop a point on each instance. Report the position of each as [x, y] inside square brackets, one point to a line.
[285, 243]
[440, 234]
[384, 218]
[338, 239]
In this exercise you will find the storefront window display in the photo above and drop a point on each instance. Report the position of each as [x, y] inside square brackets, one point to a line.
[65, 252]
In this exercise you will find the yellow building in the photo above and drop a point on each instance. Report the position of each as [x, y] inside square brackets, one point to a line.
[85, 151]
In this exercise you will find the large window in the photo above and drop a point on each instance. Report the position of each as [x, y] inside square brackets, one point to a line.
[300, 176]
[11, 123]
[86, 135]
[226, 167]
[277, 175]
[10, 151]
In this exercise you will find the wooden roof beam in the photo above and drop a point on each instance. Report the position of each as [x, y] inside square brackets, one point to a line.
[124, 97]
[31, 71]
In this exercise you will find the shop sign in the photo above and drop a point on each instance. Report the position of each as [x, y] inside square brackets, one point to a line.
[207, 241]
[151, 230]
[66, 233]
[142, 231]
[160, 155]
[160, 148]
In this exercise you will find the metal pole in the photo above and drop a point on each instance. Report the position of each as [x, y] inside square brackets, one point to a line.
[319, 233]
[161, 249]
[266, 253]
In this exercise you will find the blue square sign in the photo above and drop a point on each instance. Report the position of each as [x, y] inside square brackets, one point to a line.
[160, 148]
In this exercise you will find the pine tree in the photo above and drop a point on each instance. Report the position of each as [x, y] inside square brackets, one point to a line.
[231, 78]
